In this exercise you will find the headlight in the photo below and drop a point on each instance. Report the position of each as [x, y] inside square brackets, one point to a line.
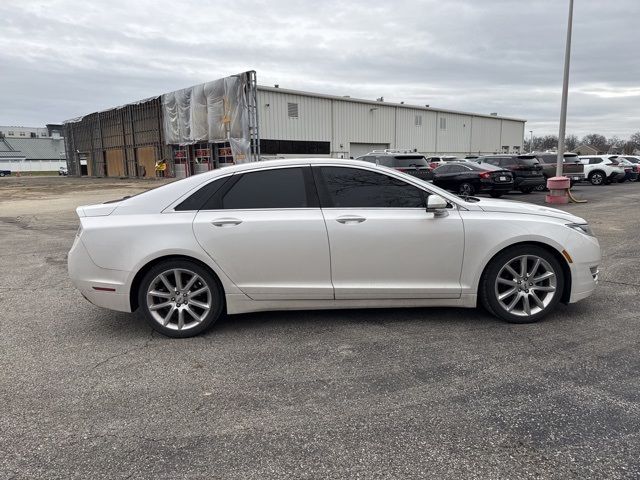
[582, 228]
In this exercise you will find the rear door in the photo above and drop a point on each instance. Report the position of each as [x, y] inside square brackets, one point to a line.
[382, 238]
[266, 231]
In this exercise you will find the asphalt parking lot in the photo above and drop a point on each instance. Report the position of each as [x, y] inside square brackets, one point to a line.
[418, 393]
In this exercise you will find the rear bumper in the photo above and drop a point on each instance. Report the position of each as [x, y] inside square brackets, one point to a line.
[91, 280]
[520, 182]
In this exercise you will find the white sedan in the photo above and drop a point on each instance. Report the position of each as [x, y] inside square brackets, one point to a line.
[324, 233]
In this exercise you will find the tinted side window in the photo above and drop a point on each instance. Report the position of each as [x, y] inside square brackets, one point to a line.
[443, 169]
[492, 161]
[593, 161]
[198, 200]
[344, 187]
[506, 162]
[279, 188]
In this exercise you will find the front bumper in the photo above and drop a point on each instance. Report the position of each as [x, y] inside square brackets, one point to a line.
[586, 255]
[91, 280]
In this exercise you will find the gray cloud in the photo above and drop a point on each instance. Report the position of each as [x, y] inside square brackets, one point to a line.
[63, 58]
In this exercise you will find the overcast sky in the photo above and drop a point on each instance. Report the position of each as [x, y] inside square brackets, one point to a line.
[64, 58]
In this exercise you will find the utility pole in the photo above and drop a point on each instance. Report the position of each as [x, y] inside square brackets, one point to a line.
[531, 142]
[565, 94]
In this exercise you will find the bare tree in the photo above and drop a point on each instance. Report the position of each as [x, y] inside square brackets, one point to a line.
[570, 142]
[597, 141]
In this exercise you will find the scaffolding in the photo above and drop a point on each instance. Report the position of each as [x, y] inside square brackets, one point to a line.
[130, 141]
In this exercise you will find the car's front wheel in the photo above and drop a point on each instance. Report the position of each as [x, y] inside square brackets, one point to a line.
[522, 284]
[596, 178]
[180, 298]
[466, 189]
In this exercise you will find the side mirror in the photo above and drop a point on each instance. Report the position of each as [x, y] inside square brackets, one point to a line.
[437, 205]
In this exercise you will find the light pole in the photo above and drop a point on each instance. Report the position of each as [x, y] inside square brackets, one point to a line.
[565, 93]
[531, 142]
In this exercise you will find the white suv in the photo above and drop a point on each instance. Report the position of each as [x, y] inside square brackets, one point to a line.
[602, 169]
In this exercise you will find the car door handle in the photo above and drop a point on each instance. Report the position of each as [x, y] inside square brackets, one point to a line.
[347, 219]
[226, 222]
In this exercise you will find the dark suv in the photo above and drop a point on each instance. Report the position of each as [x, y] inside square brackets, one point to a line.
[527, 171]
[414, 164]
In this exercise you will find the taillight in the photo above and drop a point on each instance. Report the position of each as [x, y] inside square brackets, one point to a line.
[485, 175]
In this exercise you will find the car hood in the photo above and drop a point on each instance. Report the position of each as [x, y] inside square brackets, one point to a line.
[510, 206]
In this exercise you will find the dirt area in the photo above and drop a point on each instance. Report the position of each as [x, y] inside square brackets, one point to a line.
[29, 195]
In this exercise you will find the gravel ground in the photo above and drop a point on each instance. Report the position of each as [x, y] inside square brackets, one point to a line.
[414, 393]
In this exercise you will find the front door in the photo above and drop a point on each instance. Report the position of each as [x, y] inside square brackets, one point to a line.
[266, 232]
[384, 244]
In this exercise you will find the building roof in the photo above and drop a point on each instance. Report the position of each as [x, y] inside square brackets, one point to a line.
[36, 148]
[378, 103]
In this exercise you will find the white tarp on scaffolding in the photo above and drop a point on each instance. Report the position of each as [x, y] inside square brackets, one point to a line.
[211, 112]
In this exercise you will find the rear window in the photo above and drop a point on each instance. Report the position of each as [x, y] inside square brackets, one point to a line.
[529, 161]
[409, 161]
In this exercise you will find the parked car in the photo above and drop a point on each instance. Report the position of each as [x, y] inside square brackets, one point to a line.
[527, 172]
[631, 169]
[602, 169]
[320, 234]
[435, 162]
[411, 163]
[5, 173]
[634, 160]
[63, 171]
[571, 166]
[466, 178]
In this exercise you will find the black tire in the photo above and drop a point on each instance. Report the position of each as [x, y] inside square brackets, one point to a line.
[206, 278]
[496, 194]
[526, 189]
[1, 174]
[466, 188]
[487, 290]
[540, 188]
[597, 178]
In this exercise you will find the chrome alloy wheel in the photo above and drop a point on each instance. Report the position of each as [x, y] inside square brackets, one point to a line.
[525, 285]
[179, 299]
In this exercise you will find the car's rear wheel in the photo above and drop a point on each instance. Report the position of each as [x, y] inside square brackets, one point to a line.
[596, 178]
[466, 189]
[179, 298]
[540, 188]
[522, 284]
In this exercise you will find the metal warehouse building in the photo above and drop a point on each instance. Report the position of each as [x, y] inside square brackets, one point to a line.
[233, 120]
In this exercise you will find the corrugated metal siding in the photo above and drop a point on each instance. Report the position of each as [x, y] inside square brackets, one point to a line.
[512, 134]
[313, 122]
[456, 137]
[421, 137]
[342, 122]
[485, 135]
[362, 123]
